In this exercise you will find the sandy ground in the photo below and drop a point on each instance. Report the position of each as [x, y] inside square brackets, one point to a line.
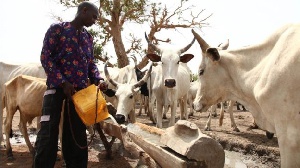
[256, 148]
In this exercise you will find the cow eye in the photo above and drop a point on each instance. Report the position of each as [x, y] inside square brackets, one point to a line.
[131, 96]
[201, 71]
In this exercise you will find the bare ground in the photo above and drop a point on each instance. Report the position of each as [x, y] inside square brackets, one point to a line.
[253, 143]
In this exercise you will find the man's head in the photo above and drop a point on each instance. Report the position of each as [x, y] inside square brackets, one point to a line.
[87, 13]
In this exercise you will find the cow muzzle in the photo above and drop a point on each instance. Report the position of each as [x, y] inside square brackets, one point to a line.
[120, 118]
[170, 83]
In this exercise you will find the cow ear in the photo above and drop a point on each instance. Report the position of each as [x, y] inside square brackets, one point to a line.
[110, 92]
[186, 58]
[154, 57]
[213, 54]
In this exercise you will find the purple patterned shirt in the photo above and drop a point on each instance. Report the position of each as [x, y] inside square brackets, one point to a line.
[67, 55]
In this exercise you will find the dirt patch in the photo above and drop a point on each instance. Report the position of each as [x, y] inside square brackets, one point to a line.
[253, 144]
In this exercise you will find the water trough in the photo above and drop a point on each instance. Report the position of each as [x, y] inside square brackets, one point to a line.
[180, 146]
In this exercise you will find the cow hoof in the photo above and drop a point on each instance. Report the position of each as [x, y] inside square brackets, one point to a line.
[191, 114]
[207, 129]
[236, 129]
[269, 135]
[165, 117]
[253, 126]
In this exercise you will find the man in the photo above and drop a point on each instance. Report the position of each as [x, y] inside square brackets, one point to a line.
[67, 58]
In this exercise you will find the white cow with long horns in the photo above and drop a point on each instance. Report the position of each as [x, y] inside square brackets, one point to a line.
[171, 81]
[265, 78]
[126, 90]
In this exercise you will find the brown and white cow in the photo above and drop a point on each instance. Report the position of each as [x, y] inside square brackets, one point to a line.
[265, 78]
[9, 71]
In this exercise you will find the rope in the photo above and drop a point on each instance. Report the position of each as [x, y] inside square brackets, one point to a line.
[68, 104]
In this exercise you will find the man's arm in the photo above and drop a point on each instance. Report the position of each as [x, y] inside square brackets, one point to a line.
[47, 57]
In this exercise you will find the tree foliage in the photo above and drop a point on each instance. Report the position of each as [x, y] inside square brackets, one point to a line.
[115, 13]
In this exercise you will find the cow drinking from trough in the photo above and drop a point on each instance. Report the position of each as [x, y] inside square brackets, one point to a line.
[172, 80]
[265, 78]
[126, 91]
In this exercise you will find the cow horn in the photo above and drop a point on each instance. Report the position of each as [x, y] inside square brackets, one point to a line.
[224, 46]
[152, 45]
[187, 47]
[204, 46]
[144, 79]
[113, 82]
[134, 59]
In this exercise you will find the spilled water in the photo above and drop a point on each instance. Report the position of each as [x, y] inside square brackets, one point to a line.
[232, 159]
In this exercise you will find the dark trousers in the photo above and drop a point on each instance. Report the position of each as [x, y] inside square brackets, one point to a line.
[47, 138]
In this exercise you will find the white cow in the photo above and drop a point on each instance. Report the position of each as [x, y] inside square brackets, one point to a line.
[192, 95]
[265, 78]
[23, 93]
[127, 88]
[9, 71]
[171, 81]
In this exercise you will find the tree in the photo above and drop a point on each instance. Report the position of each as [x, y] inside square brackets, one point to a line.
[115, 13]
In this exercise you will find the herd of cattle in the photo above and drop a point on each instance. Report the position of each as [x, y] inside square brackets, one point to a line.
[264, 77]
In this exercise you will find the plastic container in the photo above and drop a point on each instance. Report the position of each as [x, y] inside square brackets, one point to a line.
[85, 105]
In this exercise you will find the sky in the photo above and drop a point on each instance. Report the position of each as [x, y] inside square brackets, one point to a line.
[247, 22]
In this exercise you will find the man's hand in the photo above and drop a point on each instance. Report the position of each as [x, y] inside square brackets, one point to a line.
[68, 90]
[103, 86]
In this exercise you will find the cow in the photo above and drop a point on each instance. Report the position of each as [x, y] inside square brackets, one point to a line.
[23, 93]
[171, 81]
[192, 95]
[143, 97]
[9, 71]
[265, 78]
[126, 89]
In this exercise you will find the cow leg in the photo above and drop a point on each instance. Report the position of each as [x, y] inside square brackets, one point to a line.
[151, 110]
[173, 113]
[8, 131]
[140, 97]
[221, 114]
[159, 108]
[23, 129]
[207, 126]
[288, 140]
[166, 109]
[183, 108]
[230, 110]
[38, 123]
[1, 123]
[244, 109]
[146, 105]
[182, 116]
[213, 110]
[190, 102]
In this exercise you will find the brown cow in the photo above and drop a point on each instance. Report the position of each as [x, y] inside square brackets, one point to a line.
[23, 93]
